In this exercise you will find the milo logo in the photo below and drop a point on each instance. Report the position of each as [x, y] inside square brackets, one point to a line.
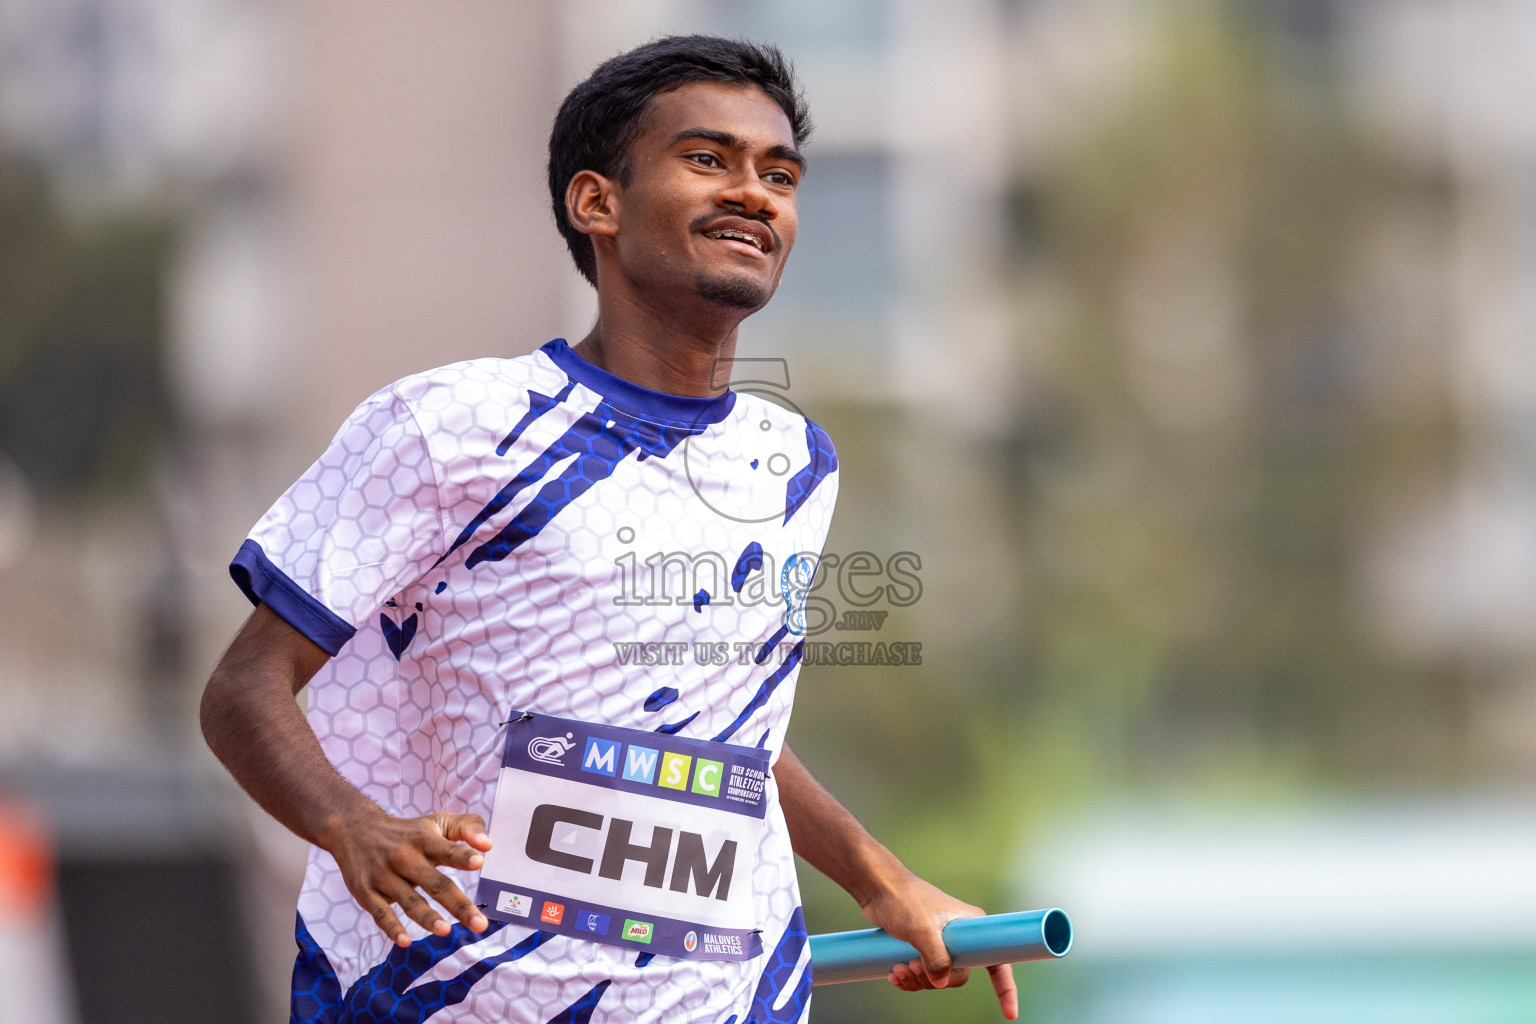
[637, 931]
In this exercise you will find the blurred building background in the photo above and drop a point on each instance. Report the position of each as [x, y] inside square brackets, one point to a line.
[1180, 359]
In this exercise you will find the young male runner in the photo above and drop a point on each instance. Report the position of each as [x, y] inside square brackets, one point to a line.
[457, 579]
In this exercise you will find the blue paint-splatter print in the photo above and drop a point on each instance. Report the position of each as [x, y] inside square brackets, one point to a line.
[763, 692]
[672, 728]
[594, 445]
[580, 1012]
[538, 405]
[823, 462]
[749, 561]
[765, 651]
[661, 698]
[398, 637]
[775, 980]
[381, 996]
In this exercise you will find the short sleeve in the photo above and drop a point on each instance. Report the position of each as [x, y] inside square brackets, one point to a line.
[360, 525]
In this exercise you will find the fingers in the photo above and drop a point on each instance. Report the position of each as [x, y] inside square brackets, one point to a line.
[1007, 991]
[449, 896]
[933, 956]
[399, 868]
[402, 890]
[909, 977]
[912, 977]
[384, 916]
[464, 828]
[416, 908]
[449, 854]
[917, 912]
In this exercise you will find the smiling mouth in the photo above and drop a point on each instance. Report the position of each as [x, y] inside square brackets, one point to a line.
[737, 235]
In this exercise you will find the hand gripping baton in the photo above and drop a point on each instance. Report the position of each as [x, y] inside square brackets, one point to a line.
[972, 942]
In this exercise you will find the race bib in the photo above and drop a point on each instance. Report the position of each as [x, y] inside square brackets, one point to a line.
[629, 838]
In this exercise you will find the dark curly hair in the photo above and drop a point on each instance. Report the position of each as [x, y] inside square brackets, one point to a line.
[600, 118]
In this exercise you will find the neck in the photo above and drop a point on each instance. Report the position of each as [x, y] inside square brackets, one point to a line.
[673, 349]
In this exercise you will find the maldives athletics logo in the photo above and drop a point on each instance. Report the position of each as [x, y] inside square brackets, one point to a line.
[551, 749]
[691, 941]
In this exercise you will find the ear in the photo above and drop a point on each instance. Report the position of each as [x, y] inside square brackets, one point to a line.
[592, 204]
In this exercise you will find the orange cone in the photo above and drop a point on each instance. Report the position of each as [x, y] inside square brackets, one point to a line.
[31, 936]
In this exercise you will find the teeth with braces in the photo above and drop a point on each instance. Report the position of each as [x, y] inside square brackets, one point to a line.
[739, 235]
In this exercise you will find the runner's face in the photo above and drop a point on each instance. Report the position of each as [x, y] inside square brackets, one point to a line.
[710, 203]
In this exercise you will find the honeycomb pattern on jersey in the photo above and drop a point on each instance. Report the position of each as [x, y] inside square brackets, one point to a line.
[620, 523]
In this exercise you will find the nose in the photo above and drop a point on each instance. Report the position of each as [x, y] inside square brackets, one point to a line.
[747, 194]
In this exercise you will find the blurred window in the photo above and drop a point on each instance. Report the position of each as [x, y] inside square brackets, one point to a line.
[843, 263]
[798, 25]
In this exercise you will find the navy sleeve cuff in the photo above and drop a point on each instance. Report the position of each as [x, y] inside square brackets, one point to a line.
[264, 583]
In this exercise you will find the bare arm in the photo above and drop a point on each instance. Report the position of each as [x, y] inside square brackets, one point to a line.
[892, 897]
[254, 726]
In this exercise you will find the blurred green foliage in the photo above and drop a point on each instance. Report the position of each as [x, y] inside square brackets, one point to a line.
[1204, 439]
[83, 399]
[1214, 438]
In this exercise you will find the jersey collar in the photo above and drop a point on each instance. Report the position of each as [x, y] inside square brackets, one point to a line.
[657, 406]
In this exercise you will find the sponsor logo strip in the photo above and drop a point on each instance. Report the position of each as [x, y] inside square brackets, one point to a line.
[514, 904]
[613, 926]
[592, 921]
[675, 768]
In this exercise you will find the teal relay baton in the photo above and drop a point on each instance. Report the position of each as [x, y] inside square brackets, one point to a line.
[972, 942]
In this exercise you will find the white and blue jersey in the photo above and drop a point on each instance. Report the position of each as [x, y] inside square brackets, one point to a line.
[534, 536]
